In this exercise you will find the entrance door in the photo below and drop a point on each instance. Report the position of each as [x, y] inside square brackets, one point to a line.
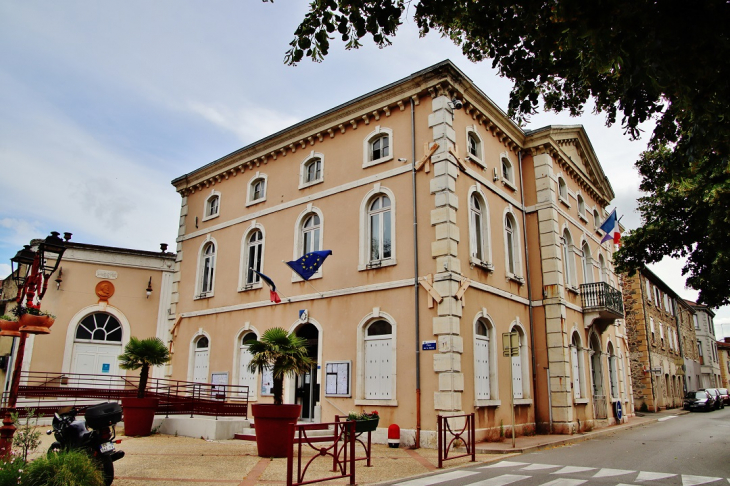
[97, 344]
[307, 387]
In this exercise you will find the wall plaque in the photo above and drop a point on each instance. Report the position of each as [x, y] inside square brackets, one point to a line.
[107, 274]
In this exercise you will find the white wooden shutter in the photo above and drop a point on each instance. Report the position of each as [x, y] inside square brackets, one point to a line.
[517, 377]
[481, 357]
[200, 374]
[576, 372]
[245, 377]
[378, 369]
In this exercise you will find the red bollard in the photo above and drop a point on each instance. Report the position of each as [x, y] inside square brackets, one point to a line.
[393, 436]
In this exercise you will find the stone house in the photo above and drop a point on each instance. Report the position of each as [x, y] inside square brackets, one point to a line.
[706, 345]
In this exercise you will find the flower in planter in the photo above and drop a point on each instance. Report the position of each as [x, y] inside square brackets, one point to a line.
[20, 310]
[362, 415]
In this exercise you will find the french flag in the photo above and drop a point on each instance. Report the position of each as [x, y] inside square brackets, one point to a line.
[610, 227]
[272, 287]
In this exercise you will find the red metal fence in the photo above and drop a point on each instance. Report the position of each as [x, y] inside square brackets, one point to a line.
[47, 392]
[341, 450]
[448, 437]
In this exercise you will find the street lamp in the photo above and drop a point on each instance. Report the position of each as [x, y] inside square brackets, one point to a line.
[33, 273]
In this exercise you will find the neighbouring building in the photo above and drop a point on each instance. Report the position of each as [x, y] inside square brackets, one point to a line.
[101, 296]
[663, 347]
[449, 226]
[706, 345]
[723, 351]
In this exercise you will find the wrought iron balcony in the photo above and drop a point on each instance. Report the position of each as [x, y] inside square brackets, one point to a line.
[603, 298]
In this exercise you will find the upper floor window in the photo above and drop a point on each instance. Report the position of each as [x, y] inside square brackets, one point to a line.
[511, 243]
[562, 190]
[596, 220]
[478, 228]
[581, 207]
[508, 174]
[380, 238]
[212, 206]
[207, 268]
[311, 234]
[312, 170]
[603, 268]
[587, 264]
[254, 256]
[696, 321]
[378, 146]
[568, 260]
[474, 146]
[257, 189]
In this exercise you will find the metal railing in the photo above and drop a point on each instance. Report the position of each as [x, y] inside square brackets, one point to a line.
[47, 392]
[368, 447]
[342, 451]
[601, 295]
[447, 437]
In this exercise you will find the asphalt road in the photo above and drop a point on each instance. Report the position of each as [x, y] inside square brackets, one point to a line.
[685, 450]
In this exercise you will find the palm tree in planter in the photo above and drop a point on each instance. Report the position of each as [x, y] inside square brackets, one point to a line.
[283, 354]
[141, 354]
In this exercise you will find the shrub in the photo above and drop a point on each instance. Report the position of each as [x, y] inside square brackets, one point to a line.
[11, 472]
[27, 436]
[70, 468]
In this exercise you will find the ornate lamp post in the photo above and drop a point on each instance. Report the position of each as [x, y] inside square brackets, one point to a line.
[34, 270]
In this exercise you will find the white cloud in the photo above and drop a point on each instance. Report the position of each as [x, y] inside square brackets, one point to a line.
[4, 270]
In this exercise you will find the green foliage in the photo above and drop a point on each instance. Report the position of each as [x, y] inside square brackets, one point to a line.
[143, 353]
[636, 61]
[19, 310]
[70, 468]
[6, 317]
[27, 436]
[283, 354]
[362, 415]
[11, 472]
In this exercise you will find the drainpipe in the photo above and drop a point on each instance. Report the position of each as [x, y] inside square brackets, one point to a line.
[415, 275]
[648, 339]
[529, 297]
[681, 348]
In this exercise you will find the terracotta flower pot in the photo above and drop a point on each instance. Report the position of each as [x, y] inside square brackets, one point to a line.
[139, 413]
[271, 423]
[9, 328]
[36, 324]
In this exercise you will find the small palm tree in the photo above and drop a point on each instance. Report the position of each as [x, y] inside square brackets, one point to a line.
[283, 354]
[143, 353]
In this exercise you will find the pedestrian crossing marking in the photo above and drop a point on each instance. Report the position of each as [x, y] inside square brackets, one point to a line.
[505, 464]
[650, 476]
[502, 480]
[606, 472]
[565, 482]
[439, 478]
[575, 469]
[538, 467]
[688, 480]
[667, 418]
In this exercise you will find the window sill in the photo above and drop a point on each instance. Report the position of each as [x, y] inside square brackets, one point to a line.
[508, 184]
[375, 265]
[475, 262]
[581, 401]
[583, 217]
[376, 403]
[206, 295]
[255, 286]
[304, 185]
[476, 160]
[523, 401]
[573, 289]
[257, 201]
[212, 216]
[488, 403]
[515, 278]
[296, 278]
[381, 160]
[564, 202]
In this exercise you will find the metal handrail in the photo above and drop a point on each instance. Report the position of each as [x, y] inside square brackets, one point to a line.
[601, 295]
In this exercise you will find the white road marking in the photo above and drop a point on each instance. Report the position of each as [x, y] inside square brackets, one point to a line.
[688, 480]
[537, 467]
[505, 464]
[565, 482]
[667, 418]
[439, 478]
[574, 469]
[606, 472]
[502, 480]
[650, 476]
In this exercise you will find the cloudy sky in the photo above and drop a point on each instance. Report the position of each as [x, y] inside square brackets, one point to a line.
[102, 104]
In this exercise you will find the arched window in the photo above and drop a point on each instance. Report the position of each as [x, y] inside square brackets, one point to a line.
[603, 268]
[511, 246]
[596, 220]
[313, 171]
[207, 267]
[568, 260]
[562, 190]
[507, 170]
[99, 326]
[612, 371]
[246, 377]
[581, 206]
[212, 205]
[576, 359]
[483, 334]
[378, 360]
[475, 145]
[378, 146]
[258, 188]
[478, 228]
[201, 357]
[520, 367]
[587, 264]
[311, 230]
[380, 229]
[254, 255]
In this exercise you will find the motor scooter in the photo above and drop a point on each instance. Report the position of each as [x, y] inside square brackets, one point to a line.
[94, 435]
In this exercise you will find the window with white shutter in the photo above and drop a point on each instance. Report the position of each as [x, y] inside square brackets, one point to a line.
[481, 360]
[378, 361]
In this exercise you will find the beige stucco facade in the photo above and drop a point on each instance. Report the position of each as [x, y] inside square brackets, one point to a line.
[478, 258]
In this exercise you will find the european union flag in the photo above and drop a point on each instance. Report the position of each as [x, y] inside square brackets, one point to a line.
[308, 265]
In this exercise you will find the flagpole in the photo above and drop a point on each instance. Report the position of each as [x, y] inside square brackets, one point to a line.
[315, 289]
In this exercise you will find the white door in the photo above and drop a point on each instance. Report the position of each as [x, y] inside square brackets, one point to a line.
[95, 359]
[200, 372]
[377, 369]
[245, 377]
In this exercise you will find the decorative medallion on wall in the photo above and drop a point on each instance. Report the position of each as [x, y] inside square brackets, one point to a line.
[104, 290]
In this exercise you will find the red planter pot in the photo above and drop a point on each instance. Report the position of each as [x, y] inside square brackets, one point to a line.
[272, 428]
[139, 413]
[9, 328]
[36, 324]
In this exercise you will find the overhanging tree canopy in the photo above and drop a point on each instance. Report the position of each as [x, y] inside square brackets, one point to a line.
[636, 60]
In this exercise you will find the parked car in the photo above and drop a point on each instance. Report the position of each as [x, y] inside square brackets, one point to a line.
[725, 395]
[699, 400]
[715, 394]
